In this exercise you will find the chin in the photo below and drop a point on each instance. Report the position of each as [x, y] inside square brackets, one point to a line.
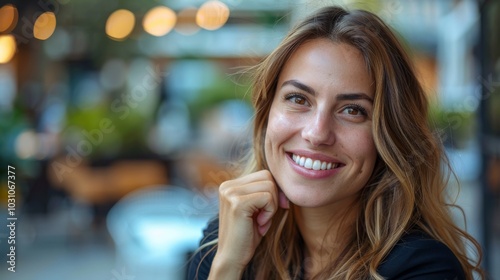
[305, 198]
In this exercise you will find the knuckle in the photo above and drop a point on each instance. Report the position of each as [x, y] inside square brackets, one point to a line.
[268, 195]
[267, 174]
[270, 185]
[229, 184]
[235, 202]
[226, 191]
[270, 200]
[225, 185]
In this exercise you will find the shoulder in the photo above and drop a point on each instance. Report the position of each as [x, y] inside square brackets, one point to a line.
[201, 260]
[419, 256]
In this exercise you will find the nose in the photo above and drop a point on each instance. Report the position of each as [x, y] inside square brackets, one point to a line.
[318, 129]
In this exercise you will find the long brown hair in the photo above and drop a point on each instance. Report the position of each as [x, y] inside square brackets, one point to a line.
[407, 188]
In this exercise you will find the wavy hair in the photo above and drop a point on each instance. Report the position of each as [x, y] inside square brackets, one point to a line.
[408, 185]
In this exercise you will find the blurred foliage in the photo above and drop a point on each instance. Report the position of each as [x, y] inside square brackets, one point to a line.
[88, 18]
[231, 87]
[455, 127]
[127, 137]
[11, 124]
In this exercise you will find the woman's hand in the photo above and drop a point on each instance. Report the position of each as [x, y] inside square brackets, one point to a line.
[247, 206]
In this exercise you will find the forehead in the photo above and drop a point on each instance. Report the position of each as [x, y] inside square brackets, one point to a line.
[323, 63]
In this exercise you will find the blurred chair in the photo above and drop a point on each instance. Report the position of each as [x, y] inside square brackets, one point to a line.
[156, 228]
[108, 184]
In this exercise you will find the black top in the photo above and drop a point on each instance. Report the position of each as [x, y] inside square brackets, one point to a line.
[415, 256]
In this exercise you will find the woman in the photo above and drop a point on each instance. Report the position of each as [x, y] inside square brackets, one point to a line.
[345, 178]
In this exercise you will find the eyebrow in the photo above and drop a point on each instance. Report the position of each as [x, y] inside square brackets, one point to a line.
[300, 86]
[339, 97]
[353, 96]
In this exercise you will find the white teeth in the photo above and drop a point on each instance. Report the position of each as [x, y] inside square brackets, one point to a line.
[309, 163]
[323, 165]
[313, 164]
[316, 165]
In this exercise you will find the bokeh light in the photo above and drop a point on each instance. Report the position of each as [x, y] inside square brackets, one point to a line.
[7, 48]
[159, 21]
[120, 24]
[8, 18]
[44, 26]
[123, 117]
[186, 21]
[26, 145]
[212, 15]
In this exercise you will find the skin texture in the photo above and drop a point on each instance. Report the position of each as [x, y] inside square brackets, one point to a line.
[322, 109]
[247, 205]
[320, 124]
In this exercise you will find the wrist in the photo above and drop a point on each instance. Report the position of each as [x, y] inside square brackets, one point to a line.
[225, 269]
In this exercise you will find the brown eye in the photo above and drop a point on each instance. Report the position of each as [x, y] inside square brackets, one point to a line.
[352, 111]
[297, 99]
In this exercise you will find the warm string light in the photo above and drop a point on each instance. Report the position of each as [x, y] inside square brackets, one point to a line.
[44, 26]
[120, 24]
[8, 21]
[7, 48]
[8, 18]
[159, 21]
[212, 15]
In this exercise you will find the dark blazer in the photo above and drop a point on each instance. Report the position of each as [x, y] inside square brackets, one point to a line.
[415, 256]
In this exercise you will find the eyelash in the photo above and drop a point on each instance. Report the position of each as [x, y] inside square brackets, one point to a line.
[348, 106]
[295, 95]
[356, 107]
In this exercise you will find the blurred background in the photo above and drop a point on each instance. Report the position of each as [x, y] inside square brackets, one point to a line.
[122, 117]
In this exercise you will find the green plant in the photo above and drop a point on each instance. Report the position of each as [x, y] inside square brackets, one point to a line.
[456, 127]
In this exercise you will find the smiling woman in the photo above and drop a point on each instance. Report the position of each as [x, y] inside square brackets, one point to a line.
[321, 115]
[344, 180]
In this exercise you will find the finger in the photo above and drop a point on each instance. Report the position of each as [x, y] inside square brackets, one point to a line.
[251, 188]
[264, 217]
[255, 203]
[264, 228]
[283, 200]
[261, 175]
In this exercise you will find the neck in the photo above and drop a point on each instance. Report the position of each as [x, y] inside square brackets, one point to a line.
[325, 234]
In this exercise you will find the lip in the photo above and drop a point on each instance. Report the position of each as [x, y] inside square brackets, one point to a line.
[312, 155]
[310, 173]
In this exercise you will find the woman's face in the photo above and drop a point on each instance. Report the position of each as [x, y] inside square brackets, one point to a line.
[319, 142]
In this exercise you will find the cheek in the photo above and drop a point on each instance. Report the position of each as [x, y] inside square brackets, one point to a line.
[362, 147]
[277, 133]
[278, 126]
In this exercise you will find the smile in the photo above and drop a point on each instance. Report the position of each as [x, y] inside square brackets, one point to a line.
[313, 164]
